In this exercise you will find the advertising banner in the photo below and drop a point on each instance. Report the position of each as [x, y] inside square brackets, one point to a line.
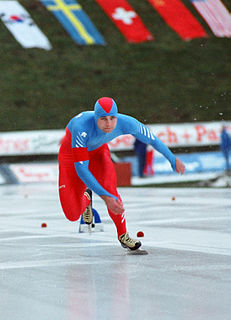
[190, 134]
[40, 172]
[30, 142]
[200, 162]
[173, 135]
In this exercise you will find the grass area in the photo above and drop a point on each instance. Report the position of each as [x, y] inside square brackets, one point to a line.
[166, 80]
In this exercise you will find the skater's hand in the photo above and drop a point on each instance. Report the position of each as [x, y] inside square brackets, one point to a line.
[180, 167]
[116, 206]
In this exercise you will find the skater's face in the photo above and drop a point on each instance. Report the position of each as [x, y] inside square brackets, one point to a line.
[107, 124]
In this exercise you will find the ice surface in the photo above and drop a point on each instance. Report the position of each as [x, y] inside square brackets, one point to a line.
[57, 273]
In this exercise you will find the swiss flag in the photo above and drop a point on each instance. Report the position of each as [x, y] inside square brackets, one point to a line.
[126, 20]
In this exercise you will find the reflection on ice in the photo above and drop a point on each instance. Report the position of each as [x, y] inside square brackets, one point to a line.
[58, 273]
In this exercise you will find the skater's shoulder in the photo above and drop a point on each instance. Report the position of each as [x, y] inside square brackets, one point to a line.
[82, 119]
[127, 122]
[84, 116]
[126, 119]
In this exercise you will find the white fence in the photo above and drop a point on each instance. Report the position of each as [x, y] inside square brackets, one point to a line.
[173, 135]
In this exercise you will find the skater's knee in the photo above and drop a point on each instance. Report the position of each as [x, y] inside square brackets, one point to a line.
[72, 218]
[71, 213]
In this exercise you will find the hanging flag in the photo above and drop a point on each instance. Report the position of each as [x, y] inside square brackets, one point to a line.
[216, 15]
[126, 20]
[19, 23]
[75, 21]
[179, 18]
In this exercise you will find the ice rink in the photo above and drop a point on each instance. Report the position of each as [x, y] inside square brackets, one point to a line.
[56, 273]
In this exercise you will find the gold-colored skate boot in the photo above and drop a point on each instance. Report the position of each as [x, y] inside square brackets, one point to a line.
[88, 213]
[129, 243]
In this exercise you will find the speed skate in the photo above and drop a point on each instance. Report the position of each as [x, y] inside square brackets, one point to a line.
[137, 252]
[95, 226]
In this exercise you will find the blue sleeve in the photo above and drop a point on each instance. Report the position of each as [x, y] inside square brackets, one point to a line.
[87, 177]
[142, 133]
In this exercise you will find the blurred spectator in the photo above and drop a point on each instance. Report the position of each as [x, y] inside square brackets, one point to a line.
[225, 146]
[140, 150]
[148, 168]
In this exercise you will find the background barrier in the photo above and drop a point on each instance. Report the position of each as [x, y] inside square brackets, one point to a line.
[41, 142]
[47, 142]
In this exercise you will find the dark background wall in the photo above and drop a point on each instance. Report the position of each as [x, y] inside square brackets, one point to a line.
[166, 80]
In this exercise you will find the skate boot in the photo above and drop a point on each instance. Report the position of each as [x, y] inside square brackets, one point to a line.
[88, 213]
[129, 243]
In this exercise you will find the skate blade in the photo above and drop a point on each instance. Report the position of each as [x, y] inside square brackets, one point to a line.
[97, 227]
[89, 226]
[137, 252]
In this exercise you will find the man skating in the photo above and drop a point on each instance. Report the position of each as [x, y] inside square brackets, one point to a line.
[85, 163]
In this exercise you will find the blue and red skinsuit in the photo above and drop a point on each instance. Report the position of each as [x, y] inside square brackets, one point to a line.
[84, 158]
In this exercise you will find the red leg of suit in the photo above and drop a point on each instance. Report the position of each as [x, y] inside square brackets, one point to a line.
[103, 170]
[71, 187]
[71, 192]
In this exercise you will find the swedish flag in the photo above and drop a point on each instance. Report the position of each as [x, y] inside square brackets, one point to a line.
[75, 21]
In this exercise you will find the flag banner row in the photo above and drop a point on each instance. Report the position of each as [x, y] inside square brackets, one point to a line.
[126, 20]
[216, 15]
[76, 22]
[179, 18]
[20, 24]
[82, 30]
